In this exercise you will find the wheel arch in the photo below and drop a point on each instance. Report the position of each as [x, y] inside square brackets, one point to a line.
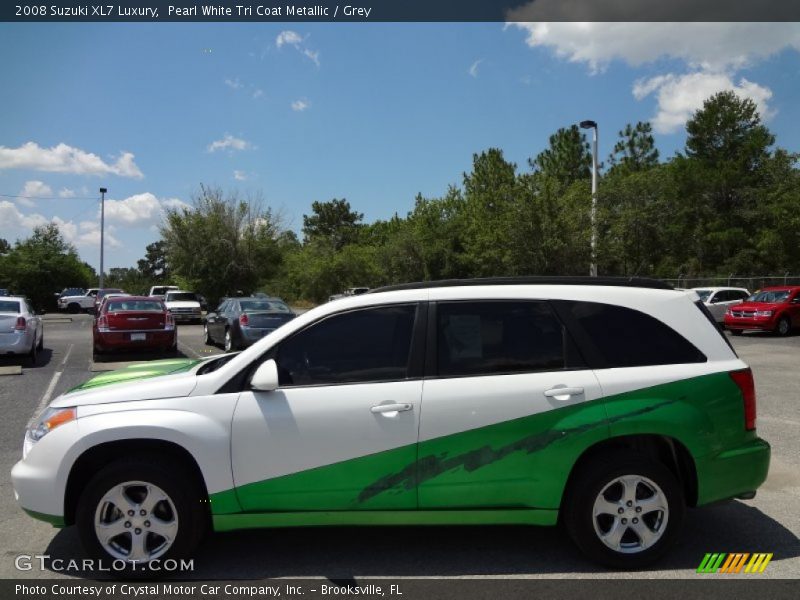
[665, 449]
[95, 458]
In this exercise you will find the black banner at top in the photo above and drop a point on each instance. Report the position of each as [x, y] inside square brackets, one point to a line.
[401, 10]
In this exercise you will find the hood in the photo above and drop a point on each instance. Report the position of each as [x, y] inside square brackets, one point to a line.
[141, 381]
[757, 306]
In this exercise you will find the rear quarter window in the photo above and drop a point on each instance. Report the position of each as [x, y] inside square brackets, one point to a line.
[623, 337]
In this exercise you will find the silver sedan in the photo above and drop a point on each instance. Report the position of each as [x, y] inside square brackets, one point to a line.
[21, 330]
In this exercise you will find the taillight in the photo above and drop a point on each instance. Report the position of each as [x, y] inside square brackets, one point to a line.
[21, 324]
[744, 379]
[102, 324]
[169, 324]
[244, 320]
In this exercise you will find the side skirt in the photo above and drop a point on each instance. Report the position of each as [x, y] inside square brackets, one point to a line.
[385, 517]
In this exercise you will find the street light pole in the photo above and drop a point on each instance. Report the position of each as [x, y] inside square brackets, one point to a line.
[102, 230]
[593, 265]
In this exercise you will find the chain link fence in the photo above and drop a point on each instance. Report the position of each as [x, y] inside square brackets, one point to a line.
[753, 283]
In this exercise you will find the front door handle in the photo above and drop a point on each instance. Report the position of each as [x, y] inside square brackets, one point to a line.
[563, 393]
[390, 408]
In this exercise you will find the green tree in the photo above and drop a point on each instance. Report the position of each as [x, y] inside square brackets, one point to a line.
[566, 159]
[635, 150]
[333, 221]
[43, 264]
[5, 247]
[154, 264]
[222, 243]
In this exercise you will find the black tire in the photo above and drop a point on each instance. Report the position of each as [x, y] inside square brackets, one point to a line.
[41, 342]
[33, 355]
[208, 340]
[73, 308]
[585, 488]
[784, 326]
[183, 492]
[229, 345]
[736, 332]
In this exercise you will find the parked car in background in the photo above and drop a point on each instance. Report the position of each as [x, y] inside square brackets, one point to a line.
[161, 290]
[720, 299]
[240, 322]
[79, 302]
[775, 308]
[21, 330]
[4, 292]
[98, 299]
[354, 291]
[127, 322]
[184, 306]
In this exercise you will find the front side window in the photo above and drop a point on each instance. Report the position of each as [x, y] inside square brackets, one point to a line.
[361, 346]
[501, 337]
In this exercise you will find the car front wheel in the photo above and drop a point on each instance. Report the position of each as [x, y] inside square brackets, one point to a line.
[624, 511]
[136, 512]
[784, 326]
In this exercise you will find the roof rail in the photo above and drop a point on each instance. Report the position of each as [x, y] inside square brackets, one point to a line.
[638, 282]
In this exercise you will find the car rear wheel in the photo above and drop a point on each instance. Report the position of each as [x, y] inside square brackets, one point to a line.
[784, 326]
[137, 511]
[229, 345]
[41, 342]
[624, 511]
[207, 335]
[33, 355]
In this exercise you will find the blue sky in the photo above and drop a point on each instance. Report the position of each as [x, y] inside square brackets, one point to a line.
[372, 112]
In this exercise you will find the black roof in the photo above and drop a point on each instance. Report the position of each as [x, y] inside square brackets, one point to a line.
[638, 282]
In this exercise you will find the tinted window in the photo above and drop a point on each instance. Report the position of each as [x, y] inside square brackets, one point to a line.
[264, 305]
[354, 347]
[137, 305]
[11, 306]
[628, 338]
[483, 338]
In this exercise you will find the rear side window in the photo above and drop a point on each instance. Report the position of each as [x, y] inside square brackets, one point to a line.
[501, 337]
[361, 346]
[11, 306]
[624, 337]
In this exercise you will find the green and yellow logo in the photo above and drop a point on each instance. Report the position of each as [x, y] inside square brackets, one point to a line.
[721, 562]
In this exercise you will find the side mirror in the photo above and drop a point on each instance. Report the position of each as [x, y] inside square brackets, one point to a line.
[265, 379]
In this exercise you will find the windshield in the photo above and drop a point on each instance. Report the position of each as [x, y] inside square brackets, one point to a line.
[264, 306]
[769, 296]
[704, 294]
[103, 293]
[137, 305]
[73, 292]
[182, 297]
[9, 306]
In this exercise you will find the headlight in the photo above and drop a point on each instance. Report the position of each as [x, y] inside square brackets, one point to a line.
[763, 313]
[49, 420]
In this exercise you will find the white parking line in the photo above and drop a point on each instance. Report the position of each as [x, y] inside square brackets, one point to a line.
[52, 386]
[186, 348]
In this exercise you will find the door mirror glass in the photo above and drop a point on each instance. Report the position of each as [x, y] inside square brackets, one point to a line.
[265, 379]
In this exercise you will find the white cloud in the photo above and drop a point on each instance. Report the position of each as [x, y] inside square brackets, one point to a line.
[679, 96]
[294, 39]
[139, 210]
[234, 84]
[84, 234]
[33, 189]
[708, 46]
[300, 105]
[66, 159]
[229, 142]
[473, 69]
[258, 93]
[66, 193]
[288, 37]
[239, 175]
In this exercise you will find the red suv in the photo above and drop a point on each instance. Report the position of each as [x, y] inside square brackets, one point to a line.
[134, 323]
[774, 308]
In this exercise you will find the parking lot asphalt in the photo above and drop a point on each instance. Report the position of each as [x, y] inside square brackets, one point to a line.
[768, 523]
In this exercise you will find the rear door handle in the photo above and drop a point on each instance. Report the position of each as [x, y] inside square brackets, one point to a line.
[563, 393]
[390, 408]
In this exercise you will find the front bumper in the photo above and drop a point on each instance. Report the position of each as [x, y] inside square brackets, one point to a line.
[750, 323]
[734, 472]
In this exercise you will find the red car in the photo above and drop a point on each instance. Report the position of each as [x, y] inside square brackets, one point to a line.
[774, 308]
[134, 323]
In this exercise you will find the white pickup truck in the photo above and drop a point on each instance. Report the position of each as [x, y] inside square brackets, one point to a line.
[76, 304]
[184, 306]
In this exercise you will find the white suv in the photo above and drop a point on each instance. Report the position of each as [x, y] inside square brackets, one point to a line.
[613, 403]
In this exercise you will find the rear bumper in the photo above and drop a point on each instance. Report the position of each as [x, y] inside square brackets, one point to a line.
[251, 335]
[121, 340]
[734, 472]
[16, 343]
